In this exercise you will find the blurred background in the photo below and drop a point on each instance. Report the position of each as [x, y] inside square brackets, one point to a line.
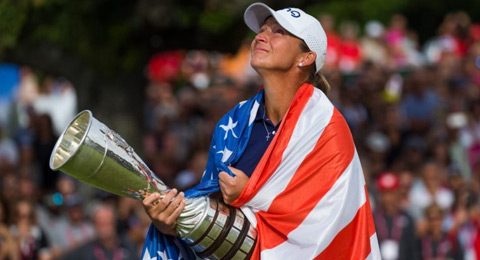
[405, 74]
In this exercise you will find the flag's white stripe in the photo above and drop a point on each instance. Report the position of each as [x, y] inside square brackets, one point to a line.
[250, 214]
[370, 257]
[333, 212]
[253, 112]
[375, 253]
[317, 111]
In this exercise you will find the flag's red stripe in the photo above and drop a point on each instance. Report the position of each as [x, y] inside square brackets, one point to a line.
[371, 224]
[318, 172]
[353, 242]
[274, 153]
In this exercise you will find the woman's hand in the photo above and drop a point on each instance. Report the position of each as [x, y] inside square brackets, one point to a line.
[164, 211]
[232, 187]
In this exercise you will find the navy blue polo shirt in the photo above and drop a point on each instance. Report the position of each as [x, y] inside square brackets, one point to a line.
[258, 143]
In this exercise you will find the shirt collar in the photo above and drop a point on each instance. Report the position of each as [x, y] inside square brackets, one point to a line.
[262, 117]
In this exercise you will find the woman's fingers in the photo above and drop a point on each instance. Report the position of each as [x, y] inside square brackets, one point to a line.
[173, 217]
[232, 187]
[154, 203]
[174, 204]
[225, 179]
[150, 200]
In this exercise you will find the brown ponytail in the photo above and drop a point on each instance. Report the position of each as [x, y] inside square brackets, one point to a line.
[315, 78]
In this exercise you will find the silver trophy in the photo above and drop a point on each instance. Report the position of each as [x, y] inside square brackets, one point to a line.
[91, 152]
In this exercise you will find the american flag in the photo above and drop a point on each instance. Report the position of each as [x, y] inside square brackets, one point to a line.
[307, 196]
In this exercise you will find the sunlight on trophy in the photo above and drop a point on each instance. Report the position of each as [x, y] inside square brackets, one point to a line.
[91, 152]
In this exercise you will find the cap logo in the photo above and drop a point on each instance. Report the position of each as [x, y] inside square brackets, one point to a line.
[293, 13]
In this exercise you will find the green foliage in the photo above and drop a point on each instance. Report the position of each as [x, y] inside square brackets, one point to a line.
[13, 14]
[97, 32]
[215, 21]
[122, 34]
[380, 9]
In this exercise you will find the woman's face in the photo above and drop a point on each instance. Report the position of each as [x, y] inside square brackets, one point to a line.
[274, 48]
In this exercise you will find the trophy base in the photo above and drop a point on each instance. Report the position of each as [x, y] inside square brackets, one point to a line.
[223, 233]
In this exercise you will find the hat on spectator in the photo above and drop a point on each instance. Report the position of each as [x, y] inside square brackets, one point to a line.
[388, 181]
[295, 21]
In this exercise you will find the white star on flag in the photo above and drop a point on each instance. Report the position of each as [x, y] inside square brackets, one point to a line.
[146, 256]
[242, 103]
[163, 255]
[225, 154]
[229, 127]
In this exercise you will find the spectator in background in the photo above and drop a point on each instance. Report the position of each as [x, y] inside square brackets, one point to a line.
[458, 149]
[377, 145]
[350, 50]
[19, 119]
[58, 99]
[45, 140]
[406, 181]
[373, 47]
[451, 39]
[9, 154]
[400, 43]
[72, 230]
[463, 222]
[353, 110]
[108, 244]
[471, 133]
[8, 246]
[427, 190]
[9, 188]
[132, 220]
[193, 174]
[334, 43]
[29, 236]
[435, 243]
[476, 178]
[395, 228]
[420, 104]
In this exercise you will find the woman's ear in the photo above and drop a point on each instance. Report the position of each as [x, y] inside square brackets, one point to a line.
[307, 59]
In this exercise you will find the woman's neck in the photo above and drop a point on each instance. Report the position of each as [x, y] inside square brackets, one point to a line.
[279, 93]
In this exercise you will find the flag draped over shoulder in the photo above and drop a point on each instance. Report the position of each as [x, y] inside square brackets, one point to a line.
[307, 196]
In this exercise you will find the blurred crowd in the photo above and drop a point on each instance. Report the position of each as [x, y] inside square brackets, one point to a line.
[414, 112]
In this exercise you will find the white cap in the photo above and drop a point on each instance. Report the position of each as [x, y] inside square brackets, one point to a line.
[295, 21]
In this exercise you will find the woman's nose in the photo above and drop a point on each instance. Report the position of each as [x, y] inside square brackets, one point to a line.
[261, 37]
